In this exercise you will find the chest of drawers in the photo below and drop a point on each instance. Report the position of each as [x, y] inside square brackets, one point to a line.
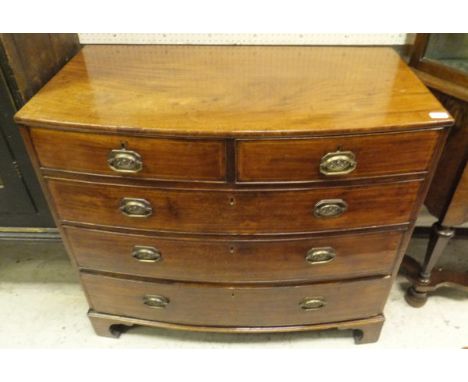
[235, 189]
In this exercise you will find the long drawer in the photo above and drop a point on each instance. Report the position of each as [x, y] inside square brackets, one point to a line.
[131, 156]
[208, 260]
[346, 157]
[205, 304]
[234, 211]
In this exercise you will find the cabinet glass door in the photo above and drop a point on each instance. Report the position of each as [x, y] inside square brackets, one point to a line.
[449, 49]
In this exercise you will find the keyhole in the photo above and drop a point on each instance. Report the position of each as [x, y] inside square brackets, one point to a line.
[232, 249]
[232, 201]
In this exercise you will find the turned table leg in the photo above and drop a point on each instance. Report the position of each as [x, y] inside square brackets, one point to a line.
[416, 295]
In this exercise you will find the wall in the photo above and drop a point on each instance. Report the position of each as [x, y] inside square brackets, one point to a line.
[249, 38]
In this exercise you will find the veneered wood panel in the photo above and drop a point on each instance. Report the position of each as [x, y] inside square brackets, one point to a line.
[235, 90]
[251, 238]
[457, 212]
[167, 159]
[452, 162]
[299, 159]
[235, 211]
[33, 58]
[205, 304]
[235, 261]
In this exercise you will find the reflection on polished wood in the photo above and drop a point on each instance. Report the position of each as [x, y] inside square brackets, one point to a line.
[235, 211]
[225, 90]
[236, 260]
[244, 305]
[276, 186]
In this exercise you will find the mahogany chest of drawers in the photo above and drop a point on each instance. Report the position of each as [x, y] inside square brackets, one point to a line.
[235, 189]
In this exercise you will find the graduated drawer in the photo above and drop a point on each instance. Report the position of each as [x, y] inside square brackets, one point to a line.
[211, 304]
[209, 260]
[123, 155]
[232, 212]
[345, 157]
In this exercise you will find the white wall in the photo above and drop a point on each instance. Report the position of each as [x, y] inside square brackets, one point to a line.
[249, 38]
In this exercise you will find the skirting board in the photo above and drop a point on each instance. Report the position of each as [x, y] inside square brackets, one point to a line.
[27, 233]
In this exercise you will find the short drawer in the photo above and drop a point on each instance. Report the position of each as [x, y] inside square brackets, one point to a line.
[130, 156]
[211, 304]
[347, 157]
[233, 212]
[209, 260]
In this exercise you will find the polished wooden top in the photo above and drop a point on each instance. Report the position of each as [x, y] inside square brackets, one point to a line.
[234, 90]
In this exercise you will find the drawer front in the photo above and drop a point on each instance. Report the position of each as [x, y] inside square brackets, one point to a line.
[295, 160]
[165, 159]
[311, 259]
[205, 304]
[234, 212]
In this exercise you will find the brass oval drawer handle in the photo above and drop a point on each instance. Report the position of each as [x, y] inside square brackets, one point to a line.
[155, 301]
[146, 254]
[329, 208]
[338, 163]
[321, 255]
[313, 303]
[123, 160]
[135, 208]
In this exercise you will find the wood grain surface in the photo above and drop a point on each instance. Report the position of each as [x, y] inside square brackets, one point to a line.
[235, 211]
[174, 159]
[229, 90]
[299, 159]
[212, 304]
[450, 169]
[235, 261]
[33, 58]
[366, 330]
[457, 212]
[214, 125]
